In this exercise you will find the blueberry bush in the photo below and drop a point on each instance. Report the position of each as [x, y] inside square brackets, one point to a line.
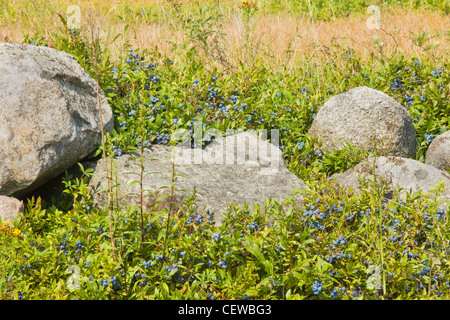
[334, 244]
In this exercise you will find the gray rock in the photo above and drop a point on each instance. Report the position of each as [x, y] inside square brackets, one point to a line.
[48, 114]
[438, 153]
[223, 173]
[363, 115]
[409, 174]
[10, 208]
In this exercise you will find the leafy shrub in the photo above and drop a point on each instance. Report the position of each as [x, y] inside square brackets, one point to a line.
[335, 244]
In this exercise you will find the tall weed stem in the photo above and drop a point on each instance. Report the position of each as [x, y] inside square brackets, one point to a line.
[94, 41]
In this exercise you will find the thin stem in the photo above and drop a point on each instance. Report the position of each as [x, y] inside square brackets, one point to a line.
[116, 185]
[170, 210]
[383, 271]
[111, 232]
[116, 209]
[379, 195]
[122, 255]
[142, 175]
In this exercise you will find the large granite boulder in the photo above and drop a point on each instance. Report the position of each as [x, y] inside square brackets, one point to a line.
[438, 153]
[362, 116]
[235, 169]
[409, 174]
[48, 113]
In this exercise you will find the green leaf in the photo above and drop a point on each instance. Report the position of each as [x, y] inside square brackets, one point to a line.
[322, 265]
[254, 249]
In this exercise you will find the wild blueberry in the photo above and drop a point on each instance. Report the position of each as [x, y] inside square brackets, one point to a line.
[317, 287]
[216, 236]
[334, 293]
[222, 264]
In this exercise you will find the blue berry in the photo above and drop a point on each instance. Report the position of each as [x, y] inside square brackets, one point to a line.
[317, 287]
[216, 236]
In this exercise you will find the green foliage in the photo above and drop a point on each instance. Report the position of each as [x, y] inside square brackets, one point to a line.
[326, 10]
[333, 237]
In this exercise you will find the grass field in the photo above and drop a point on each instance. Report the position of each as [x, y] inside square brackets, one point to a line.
[281, 32]
[165, 64]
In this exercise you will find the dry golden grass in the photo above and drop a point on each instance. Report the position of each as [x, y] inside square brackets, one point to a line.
[395, 34]
[278, 38]
[286, 39]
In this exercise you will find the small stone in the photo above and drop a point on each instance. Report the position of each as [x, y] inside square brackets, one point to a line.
[438, 153]
[10, 208]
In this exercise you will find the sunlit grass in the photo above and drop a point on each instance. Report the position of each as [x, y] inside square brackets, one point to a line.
[276, 38]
